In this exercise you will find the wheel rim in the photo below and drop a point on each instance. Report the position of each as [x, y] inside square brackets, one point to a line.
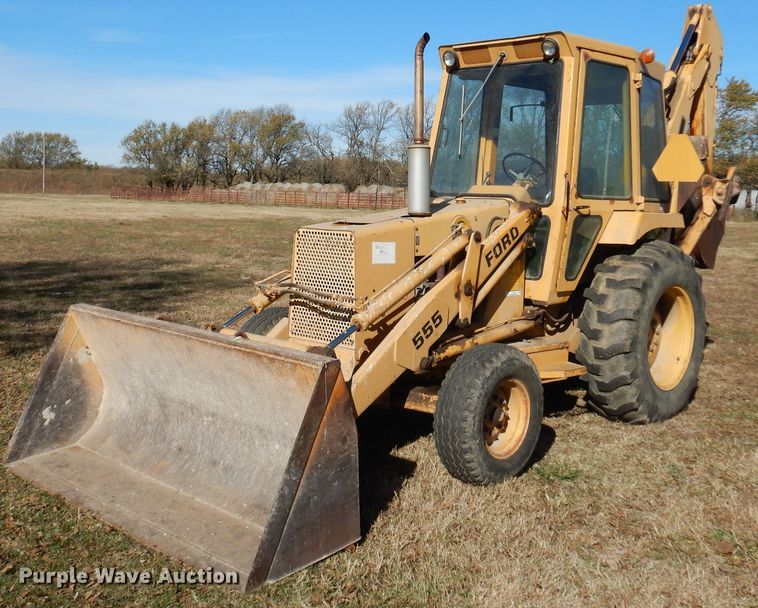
[670, 338]
[506, 418]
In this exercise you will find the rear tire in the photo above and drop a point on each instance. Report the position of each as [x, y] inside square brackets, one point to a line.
[489, 414]
[642, 334]
[264, 321]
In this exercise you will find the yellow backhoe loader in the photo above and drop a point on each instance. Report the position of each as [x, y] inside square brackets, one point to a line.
[554, 225]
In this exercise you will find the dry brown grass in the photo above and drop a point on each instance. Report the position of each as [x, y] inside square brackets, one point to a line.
[19, 207]
[608, 515]
[94, 180]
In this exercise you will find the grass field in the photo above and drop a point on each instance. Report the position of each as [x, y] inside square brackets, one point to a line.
[608, 515]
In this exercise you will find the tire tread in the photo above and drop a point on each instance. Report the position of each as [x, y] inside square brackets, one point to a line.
[619, 384]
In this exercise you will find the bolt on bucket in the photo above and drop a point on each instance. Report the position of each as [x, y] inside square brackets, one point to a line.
[221, 452]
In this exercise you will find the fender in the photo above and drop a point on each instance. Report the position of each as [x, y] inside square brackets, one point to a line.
[628, 227]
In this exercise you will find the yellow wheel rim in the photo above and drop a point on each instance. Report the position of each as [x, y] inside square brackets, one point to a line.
[670, 338]
[506, 419]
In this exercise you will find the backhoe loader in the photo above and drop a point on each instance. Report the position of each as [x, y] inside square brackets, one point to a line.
[554, 225]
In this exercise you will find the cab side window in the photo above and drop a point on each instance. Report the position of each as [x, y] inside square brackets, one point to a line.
[605, 153]
[652, 138]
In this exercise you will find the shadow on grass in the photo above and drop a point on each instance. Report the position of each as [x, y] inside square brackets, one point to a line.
[382, 430]
[708, 339]
[34, 296]
[562, 398]
[544, 443]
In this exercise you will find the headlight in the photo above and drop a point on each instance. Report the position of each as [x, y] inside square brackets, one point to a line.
[549, 49]
[450, 59]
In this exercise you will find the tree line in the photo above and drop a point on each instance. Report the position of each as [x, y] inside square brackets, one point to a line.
[364, 144]
[20, 150]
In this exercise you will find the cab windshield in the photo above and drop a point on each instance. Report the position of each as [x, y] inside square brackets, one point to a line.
[511, 126]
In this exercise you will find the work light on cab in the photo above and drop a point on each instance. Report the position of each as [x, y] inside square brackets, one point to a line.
[450, 59]
[549, 49]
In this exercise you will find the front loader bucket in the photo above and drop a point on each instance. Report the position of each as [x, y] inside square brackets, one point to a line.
[222, 452]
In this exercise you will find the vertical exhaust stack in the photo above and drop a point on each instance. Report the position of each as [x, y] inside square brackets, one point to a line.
[419, 152]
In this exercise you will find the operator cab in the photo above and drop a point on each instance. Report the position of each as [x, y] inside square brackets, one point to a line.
[571, 120]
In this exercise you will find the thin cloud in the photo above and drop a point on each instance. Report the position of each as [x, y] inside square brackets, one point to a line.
[44, 85]
[43, 89]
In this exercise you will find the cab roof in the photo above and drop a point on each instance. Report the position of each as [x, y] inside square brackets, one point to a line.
[485, 52]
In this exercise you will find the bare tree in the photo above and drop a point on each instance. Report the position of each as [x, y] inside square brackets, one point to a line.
[319, 153]
[352, 127]
[320, 141]
[382, 116]
[405, 120]
[365, 130]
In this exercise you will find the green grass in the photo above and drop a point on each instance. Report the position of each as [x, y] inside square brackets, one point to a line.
[557, 472]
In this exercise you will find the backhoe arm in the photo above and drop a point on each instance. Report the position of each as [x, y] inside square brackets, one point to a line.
[691, 82]
[691, 94]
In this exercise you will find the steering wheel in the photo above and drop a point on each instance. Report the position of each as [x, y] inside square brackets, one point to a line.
[538, 177]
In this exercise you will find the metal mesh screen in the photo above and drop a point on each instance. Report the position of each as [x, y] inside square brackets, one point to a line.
[324, 261]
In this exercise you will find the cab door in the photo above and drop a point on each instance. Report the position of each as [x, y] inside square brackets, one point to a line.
[604, 175]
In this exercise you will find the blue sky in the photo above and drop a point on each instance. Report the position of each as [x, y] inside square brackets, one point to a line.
[94, 70]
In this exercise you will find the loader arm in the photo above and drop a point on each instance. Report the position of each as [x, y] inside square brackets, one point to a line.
[407, 346]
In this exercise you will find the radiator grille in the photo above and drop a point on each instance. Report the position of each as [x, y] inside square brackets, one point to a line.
[324, 261]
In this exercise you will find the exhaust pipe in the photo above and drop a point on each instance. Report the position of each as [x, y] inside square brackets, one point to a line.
[418, 83]
[419, 152]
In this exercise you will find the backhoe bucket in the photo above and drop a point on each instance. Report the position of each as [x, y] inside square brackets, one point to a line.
[225, 453]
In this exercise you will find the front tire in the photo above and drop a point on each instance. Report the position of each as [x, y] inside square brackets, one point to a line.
[643, 334]
[264, 321]
[489, 414]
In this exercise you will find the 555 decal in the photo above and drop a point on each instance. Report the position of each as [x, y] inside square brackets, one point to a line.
[427, 330]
